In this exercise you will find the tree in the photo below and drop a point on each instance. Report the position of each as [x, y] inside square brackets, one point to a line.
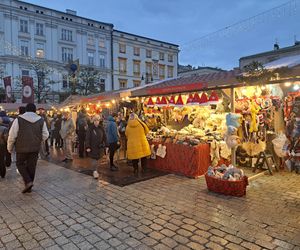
[41, 79]
[88, 81]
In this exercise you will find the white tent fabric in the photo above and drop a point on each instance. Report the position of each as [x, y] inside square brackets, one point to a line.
[289, 61]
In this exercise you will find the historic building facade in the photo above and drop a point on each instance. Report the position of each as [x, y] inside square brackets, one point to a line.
[29, 32]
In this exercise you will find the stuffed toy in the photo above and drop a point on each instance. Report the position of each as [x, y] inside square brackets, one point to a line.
[214, 153]
[210, 171]
[233, 173]
[225, 150]
[231, 139]
[254, 111]
[233, 120]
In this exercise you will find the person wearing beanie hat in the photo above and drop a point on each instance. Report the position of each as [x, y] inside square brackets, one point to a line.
[26, 134]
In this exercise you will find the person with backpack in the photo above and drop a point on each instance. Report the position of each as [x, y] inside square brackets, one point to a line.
[3, 147]
[26, 134]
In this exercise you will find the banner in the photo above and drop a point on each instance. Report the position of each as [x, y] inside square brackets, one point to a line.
[7, 87]
[27, 91]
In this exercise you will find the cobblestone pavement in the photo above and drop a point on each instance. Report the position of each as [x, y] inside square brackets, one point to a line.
[68, 210]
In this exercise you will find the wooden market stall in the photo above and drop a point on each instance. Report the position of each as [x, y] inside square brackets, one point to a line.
[189, 157]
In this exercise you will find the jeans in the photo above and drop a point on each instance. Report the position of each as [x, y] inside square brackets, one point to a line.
[26, 164]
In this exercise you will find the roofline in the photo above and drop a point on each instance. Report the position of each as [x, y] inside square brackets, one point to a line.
[131, 34]
[286, 49]
[39, 6]
[220, 70]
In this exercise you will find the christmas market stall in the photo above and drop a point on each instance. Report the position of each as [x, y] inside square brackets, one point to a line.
[187, 118]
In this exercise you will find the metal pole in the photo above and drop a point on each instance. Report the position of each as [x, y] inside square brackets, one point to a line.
[232, 100]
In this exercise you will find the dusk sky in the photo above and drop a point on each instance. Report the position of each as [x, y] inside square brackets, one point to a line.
[183, 21]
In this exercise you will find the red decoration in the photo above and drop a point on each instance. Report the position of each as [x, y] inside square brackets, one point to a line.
[190, 100]
[179, 102]
[213, 99]
[203, 100]
[172, 101]
[150, 102]
[163, 102]
[196, 99]
[157, 103]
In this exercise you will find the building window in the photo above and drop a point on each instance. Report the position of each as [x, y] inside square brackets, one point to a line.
[40, 50]
[67, 54]
[170, 58]
[162, 71]
[66, 35]
[136, 68]
[25, 72]
[136, 51]
[39, 29]
[102, 61]
[122, 65]
[101, 43]
[149, 68]
[91, 40]
[170, 71]
[122, 48]
[148, 53]
[65, 81]
[90, 58]
[123, 83]
[161, 56]
[24, 26]
[24, 48]
[136, 83]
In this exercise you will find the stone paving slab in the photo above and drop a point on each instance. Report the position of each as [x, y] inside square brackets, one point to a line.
[68, 210]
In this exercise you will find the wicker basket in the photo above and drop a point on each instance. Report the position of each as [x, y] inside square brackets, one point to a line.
[234, 188]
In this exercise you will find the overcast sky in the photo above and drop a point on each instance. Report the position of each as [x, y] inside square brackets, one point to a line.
[183, 21]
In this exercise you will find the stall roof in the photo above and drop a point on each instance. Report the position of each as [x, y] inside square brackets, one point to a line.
[115, 94]
[289, 61]
[15, 106]
[190, 84]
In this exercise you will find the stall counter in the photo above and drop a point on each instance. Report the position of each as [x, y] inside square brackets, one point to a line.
[191, 161]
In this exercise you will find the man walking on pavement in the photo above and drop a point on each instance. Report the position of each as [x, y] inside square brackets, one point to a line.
[27, 133]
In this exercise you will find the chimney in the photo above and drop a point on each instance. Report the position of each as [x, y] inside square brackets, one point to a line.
[71, 12]
[276, 46]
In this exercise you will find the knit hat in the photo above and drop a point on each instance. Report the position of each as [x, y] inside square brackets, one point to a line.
[157, 103]
[172, 101]
[190, 100]
[196, 99]
[213, 99]
[150, 102]
[203, 100]
[179, 102]
[163, 102]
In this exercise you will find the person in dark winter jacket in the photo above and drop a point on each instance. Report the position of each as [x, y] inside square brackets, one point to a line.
[26, 134]
[95, 142]
[3, 148]
[112, 140]
[6, 121]
[81, 128]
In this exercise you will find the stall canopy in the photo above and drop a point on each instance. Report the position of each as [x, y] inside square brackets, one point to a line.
[217, 80]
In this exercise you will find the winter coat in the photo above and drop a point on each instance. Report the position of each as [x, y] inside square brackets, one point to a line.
[96, 141]
[3, 134]
[29, 140]
[81, 122]
[137, 144]
[112, 131]
[67, 129]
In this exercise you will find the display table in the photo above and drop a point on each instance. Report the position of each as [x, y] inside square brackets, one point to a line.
[191, 161]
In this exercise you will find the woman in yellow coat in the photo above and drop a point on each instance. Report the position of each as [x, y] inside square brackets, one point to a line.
[137, 144]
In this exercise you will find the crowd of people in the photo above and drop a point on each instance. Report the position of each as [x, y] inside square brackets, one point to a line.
[32, 133]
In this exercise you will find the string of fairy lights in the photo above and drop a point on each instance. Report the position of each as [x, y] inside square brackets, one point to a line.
[285, 10]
